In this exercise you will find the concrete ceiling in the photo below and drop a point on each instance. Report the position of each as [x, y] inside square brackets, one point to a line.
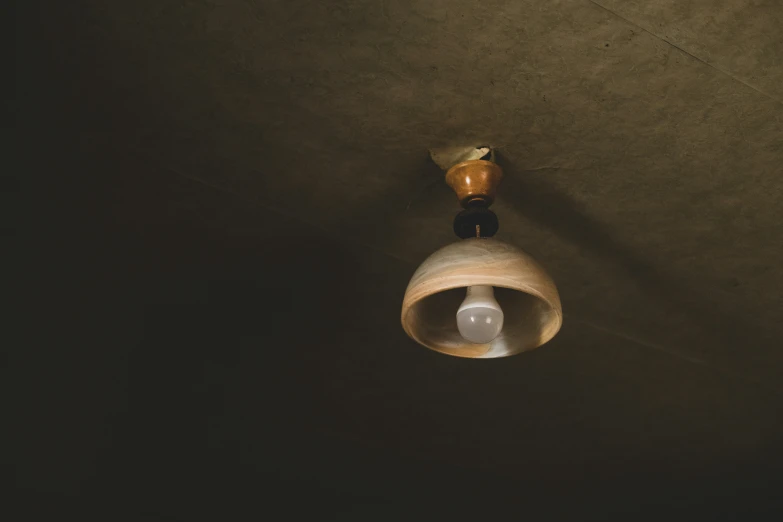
[215, 153]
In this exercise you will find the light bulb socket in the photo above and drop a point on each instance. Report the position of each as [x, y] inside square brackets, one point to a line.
[476, 222]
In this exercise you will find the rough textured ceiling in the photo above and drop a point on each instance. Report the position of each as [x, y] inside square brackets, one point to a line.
[643, 146]
[643, 151]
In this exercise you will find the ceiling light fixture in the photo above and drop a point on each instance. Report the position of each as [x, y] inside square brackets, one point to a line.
[509, 304]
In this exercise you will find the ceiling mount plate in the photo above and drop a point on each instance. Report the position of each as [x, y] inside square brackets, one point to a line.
[475, 182]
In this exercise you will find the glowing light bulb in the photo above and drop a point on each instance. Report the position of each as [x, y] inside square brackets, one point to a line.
[479, 318]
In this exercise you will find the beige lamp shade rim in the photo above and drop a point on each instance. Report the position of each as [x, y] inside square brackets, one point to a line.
[408, 302]
[530, 322]
[552, 329]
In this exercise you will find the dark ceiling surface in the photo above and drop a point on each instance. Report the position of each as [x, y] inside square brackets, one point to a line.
[193, 162]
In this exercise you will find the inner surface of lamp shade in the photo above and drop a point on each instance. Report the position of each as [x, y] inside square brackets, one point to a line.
[434, 323]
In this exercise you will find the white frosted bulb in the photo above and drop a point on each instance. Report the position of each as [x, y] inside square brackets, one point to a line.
[479, 318]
